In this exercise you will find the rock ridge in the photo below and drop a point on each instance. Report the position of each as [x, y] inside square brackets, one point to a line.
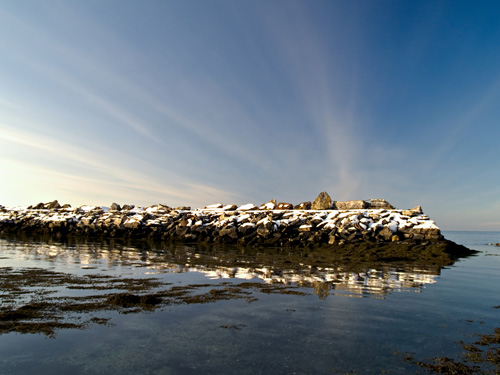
[328, 223]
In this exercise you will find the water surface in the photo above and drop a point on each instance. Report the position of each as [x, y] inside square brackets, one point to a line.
[360, 317]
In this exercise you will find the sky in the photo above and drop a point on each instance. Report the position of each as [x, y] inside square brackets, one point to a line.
[196, 102]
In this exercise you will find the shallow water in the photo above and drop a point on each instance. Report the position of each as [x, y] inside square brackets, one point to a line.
[361, 318]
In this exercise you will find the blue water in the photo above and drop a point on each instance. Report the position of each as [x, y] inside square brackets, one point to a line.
[364, 322]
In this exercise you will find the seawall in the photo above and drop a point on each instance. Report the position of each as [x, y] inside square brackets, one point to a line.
[267, 225]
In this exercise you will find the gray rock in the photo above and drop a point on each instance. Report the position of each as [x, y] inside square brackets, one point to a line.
[322, 202]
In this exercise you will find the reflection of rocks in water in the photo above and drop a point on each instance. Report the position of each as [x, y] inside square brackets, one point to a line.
[322, 288]
[320, 270]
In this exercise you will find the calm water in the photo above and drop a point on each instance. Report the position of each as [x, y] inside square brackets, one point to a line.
[349, 318]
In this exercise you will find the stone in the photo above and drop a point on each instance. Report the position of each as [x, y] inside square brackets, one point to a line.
[284, 206]
[351, 205]
[386, 234]
[271, 205]
[52, 205]
[417, 209]
[183, 208]
[115, 207]
[377, 204]
[127, 207]
[303, 206]
[322, 202]
[214, 206]
[230, 232]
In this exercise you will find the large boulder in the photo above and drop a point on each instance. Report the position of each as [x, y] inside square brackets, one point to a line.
[380, 204]
[322, 202]
[351, 205]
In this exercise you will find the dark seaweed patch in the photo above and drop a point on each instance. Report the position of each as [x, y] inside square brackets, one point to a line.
[29, 304]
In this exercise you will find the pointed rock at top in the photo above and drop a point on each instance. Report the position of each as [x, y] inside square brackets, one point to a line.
[52, 205]
[322, 202]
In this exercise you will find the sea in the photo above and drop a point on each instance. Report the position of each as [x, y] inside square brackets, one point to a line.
[295, 316]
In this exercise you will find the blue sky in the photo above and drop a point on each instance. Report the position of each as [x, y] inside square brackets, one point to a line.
[195, 102]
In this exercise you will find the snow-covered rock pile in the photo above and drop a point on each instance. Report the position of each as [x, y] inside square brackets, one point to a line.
[270, 224]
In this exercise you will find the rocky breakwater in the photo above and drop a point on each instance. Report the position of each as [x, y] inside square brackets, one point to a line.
[323, 222]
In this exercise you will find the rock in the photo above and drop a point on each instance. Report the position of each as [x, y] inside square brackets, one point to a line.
[271, 205]
[128, 207]
[52, 205]
[230, 232]
[417, 209]
[351, 205]
[284, 206]
[377, 204]
[115, 207]
[322, 202]
[214, 206]
[386, 234]
[265, 229]
[229, 207]
[183, 208]
[247, 207]
[39, 206]
[303, 206]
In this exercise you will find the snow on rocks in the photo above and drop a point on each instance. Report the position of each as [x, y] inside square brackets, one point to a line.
[266, 225]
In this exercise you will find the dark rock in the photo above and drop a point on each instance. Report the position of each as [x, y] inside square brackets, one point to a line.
[115, 207]
[322, 202]
[265, 229]
[54, 205]
[284, 206]
[128, 207]
[230, 232]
